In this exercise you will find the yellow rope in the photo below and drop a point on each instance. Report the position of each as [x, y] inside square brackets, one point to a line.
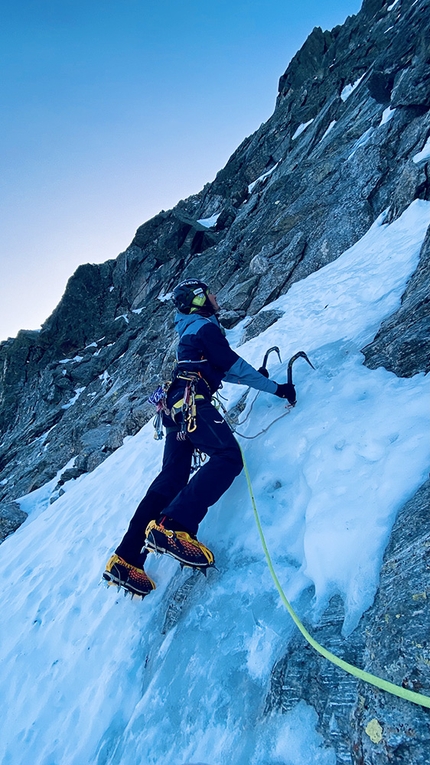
[367, 677]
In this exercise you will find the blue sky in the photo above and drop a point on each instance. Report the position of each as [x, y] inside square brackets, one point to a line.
[116, 109]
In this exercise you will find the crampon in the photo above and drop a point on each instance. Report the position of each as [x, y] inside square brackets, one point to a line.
[131, 579]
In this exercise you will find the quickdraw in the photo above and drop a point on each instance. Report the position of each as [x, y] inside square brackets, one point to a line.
[198, 459]
[187, 405]
[158, 399]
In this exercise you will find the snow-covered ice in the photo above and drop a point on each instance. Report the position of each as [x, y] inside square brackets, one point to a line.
[387, 115]
[329, 129]
[209, 222]
[262, 177]
[424, 154]
[348, 89]
[302, 127]
[91, 677]
[74, 399]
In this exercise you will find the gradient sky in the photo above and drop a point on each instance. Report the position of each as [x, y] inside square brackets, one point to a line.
[116, 109]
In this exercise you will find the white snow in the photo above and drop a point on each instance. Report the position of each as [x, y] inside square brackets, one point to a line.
[90, 677]
[329, 129]
[74, 399]
[252, 185]
[163, 297]
[209, 222]
[424, 154]
[387, 115]
[348, 89]
[123, 316]
[301, 129]
[390, 7]
[76, 359]
[105, 377]
[361, 141]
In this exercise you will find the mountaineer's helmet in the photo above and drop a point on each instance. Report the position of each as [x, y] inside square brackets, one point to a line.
[190, 296]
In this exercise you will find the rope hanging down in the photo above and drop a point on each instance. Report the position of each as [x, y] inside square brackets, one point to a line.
[367, 677]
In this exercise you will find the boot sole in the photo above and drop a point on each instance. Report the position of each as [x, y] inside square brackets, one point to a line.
[111, 579]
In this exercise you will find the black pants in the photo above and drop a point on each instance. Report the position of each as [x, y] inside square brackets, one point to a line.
[172, 494]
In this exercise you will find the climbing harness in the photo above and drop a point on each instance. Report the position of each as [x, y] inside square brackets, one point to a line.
[187, 406]
[367, 677]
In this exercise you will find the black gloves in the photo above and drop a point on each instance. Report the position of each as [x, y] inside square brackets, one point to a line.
[288, 391]
[284, 390]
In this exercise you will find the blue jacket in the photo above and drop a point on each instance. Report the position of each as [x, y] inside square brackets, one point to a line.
[203, 348]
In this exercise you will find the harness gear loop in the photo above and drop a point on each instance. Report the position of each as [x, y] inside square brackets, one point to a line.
[187, 405]
[361, 674]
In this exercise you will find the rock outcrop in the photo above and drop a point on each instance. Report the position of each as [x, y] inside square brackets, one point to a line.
[351, 114]
[348, 140]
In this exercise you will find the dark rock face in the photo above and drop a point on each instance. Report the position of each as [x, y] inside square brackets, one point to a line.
[11, 518]
[352, 113]
[366, 726]
[292, 198]
[402, 344]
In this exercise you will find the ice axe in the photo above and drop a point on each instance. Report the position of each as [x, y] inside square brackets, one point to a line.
[298, 355]
[267, 354]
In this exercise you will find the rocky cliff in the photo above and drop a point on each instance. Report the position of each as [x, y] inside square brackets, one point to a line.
[348, 140]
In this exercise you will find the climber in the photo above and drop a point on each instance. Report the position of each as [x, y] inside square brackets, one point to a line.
[168, 517]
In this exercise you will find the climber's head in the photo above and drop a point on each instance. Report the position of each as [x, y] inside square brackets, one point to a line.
[194, 296]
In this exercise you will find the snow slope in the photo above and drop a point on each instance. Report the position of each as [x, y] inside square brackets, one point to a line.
[92, 678]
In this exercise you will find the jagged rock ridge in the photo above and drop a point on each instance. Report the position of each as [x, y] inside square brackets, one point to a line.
[352, 114]
[288, 202]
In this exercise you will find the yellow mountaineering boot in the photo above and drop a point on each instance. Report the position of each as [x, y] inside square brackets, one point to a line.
[129, 577]
[179, 545]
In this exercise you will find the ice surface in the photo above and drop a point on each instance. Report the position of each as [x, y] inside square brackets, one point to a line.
[209, 222]
[329, 129]
[301, 129]
[387, 115]
[252, 185]
[91, 677]
[424, 154]
[348, 89]
[74, 399]
[361, 141]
